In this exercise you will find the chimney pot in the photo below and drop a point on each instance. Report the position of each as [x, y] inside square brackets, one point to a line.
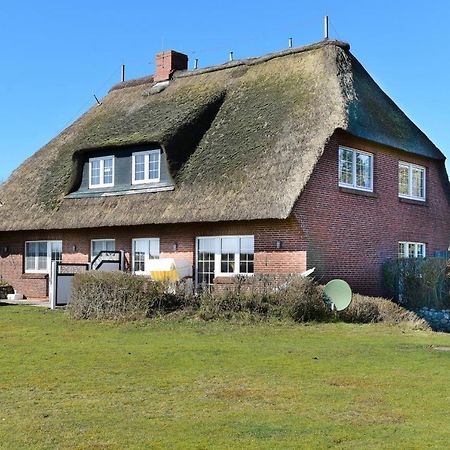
[167, 62]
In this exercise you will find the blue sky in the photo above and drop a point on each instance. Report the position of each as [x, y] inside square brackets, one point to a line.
[56, 55]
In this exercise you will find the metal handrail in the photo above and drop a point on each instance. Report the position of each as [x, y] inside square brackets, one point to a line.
[101, 253]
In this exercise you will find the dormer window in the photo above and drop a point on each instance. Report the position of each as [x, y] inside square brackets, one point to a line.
[146, 166]
[101, 172]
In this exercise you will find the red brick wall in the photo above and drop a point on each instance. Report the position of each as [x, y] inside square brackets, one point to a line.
[350, 235]
[290, 259]
[345, 235]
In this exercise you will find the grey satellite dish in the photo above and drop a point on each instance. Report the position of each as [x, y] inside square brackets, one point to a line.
[339, 294]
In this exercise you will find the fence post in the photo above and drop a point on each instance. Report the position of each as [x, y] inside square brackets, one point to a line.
[52, 284]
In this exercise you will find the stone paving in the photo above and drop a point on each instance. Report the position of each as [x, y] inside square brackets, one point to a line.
[43, 303]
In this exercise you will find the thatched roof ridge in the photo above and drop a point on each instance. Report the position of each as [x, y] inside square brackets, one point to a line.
[134, 82]
[242, 140]
[262, 59]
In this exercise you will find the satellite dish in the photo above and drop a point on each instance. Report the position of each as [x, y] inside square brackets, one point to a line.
[339, 293]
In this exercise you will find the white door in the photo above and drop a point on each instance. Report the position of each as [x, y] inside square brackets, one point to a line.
[144, 249]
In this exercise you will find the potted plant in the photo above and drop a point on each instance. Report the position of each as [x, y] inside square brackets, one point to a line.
[5, 289]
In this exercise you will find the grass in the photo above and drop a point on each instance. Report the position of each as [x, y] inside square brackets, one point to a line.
[168, 384]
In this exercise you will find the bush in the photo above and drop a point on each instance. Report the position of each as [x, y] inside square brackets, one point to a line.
[122, 296]
[391, 313]
[304, 301]
[361, 310]
[234, 302]
[418, 282]
[296, 298]
[374, 309]
[110, 295]
[5, 289]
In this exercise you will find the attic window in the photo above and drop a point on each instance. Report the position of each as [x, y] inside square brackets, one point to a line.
[101, 172]
[146, 166]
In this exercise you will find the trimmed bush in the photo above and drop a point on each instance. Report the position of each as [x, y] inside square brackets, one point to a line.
[121, 296]
[111, 296]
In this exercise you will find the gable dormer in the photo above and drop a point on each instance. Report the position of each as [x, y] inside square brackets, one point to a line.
[121, 171]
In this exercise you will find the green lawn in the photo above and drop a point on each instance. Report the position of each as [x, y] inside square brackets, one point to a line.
[164, 384]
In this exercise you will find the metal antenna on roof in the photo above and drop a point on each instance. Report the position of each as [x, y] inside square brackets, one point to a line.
[196, 63]
[290, 43]
[97, 100]
[325, 27]
[230, 56]
[122, 74]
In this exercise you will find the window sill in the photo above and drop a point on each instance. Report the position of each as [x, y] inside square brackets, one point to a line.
[413, 202]
[141, 182]
[34, 276]
[346, 190]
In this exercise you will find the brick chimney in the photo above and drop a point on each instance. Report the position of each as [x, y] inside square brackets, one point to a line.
[167, 62]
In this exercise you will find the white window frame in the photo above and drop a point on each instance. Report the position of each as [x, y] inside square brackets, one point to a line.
[146, 155]
[49, 256]
[100, 240]
[102, 183]
[147, 256]
[218, 256]
[406, 245]
[410, 167]
[353, 185]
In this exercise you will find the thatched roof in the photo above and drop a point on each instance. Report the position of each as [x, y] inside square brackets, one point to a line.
[242, 140]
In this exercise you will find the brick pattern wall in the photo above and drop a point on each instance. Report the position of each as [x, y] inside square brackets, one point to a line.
[290, 258]
[343, 234]
[350, 235]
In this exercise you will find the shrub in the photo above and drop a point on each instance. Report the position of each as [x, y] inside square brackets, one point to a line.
[391, 313]
[361, 310]
[110, 295]
[374, 309]
[417, 282]
[5, 289]
[304, 301]
[230, 303]
[296, 298]
[122, 296]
